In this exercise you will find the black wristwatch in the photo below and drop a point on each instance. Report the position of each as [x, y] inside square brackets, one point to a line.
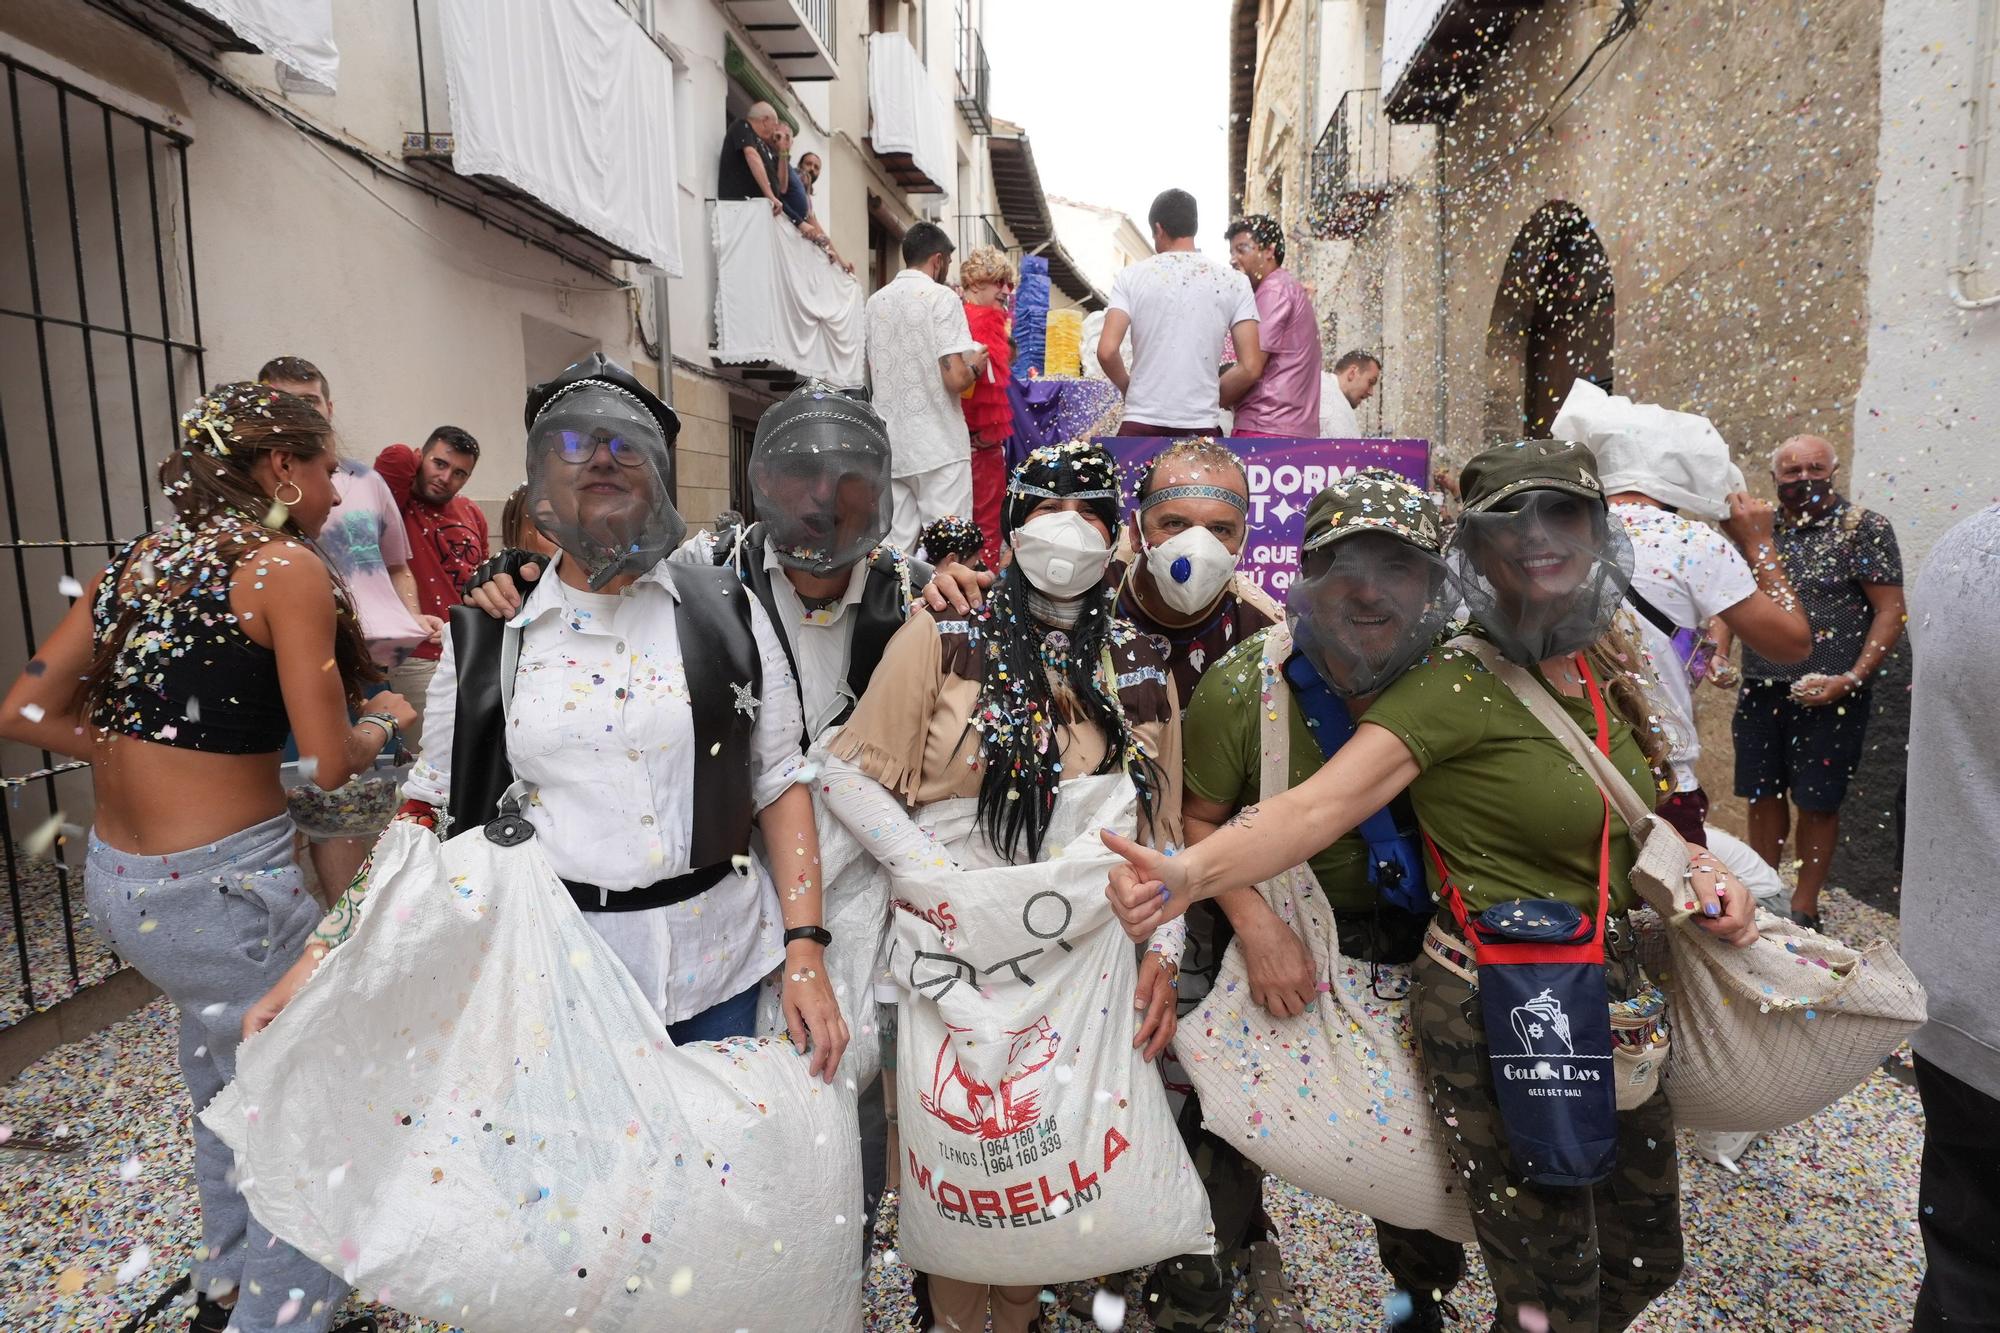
[819, 935]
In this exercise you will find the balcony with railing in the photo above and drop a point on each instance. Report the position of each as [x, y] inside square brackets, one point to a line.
[797, 36]
[1351, 181]
[974, 76]
[1436, 51]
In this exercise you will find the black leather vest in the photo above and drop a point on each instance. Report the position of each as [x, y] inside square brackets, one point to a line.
[874, 621]
[719, 655]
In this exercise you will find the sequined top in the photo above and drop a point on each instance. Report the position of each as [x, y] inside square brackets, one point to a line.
[188, 675]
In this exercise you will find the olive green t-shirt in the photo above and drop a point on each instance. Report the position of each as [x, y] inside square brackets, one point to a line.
[1511, 813]
[1223, 760]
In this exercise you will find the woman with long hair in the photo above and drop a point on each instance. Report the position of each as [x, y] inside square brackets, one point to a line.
[1039, 685]
[177, 676]
[1523, 846]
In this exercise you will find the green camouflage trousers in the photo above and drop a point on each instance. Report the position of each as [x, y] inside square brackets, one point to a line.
[1590, 1258]
[1192, 1293]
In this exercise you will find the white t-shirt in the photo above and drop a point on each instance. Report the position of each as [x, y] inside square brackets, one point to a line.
[1182, 305]
[913, 323]
[1336, 415]
[1691, 573]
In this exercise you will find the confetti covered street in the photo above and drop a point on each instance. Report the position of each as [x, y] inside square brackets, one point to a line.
[1818, 1233]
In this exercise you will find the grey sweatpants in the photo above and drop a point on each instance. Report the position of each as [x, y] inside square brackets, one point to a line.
[215, 927]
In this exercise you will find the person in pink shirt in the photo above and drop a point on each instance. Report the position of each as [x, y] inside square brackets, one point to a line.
[1284, 401]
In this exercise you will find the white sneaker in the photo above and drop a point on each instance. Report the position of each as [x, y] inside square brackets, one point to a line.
[1725, 1150]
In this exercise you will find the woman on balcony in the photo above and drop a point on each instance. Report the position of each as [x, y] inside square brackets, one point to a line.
[181, 670]
[986, 280]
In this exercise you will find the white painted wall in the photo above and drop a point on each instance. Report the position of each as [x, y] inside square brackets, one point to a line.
[1100, 241]
[1926, 418]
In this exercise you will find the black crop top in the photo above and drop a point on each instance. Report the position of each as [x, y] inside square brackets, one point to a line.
[187, 675]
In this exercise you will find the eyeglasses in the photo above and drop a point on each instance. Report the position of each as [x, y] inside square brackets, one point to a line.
[580, 446]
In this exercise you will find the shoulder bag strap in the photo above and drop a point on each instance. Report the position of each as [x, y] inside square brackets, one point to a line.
[1538, 701]
[1661, 621]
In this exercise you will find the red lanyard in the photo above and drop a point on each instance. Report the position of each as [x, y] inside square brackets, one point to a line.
[1590, 945]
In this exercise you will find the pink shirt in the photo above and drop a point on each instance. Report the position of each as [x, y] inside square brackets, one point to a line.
[1285, 398]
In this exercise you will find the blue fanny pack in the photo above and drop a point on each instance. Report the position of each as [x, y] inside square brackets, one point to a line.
[1395, 860]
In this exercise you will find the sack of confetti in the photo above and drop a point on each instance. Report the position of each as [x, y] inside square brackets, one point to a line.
[1767, 1036]
[473, 1115]
[1037, 1146]
[1332, 1100]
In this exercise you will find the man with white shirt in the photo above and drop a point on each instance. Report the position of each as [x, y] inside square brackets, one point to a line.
[1179, 306]
[1351, 383]
[1685, 573]
[921, 357]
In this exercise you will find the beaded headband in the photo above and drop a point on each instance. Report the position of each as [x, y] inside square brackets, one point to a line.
[1044, 493]
[605, 385]
[1222, 493]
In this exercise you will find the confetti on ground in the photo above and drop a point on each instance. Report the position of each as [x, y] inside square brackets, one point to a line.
[48, 955]
[1819, 1232]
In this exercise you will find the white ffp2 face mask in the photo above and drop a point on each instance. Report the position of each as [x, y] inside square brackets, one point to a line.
[1062, 554]
[1190, 569]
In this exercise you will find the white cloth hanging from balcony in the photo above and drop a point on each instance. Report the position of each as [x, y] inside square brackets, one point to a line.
[297, 33]
[778, 298]
[906, 114]
[569, 101]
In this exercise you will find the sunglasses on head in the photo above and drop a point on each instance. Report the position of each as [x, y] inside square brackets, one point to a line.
[580, 446]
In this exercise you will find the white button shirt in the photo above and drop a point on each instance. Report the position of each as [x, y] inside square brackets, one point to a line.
[820, 641]
[913, 323]
[601, 731]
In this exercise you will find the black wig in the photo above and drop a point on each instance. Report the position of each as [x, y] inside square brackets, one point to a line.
[1018, 714]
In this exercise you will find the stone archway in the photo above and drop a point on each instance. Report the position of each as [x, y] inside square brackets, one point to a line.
[1553, 322]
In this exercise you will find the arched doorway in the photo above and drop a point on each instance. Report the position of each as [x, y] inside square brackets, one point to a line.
[1553, 322]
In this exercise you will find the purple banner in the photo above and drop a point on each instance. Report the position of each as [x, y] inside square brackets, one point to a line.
[1285, 474]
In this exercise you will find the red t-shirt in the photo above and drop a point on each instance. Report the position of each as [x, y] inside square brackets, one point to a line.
[447, 541]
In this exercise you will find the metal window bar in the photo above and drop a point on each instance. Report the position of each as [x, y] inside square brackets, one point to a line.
[1350, 167]
[113, 339]
[976, 230]
[974, 75]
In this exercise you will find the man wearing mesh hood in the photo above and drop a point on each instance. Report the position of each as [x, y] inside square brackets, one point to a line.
[1372, 596]
[654, 723]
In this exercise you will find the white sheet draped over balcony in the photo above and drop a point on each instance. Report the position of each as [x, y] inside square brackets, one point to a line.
[570, 102]
[1406, 26]
[297, 33]
[777, 299]
[906, 114]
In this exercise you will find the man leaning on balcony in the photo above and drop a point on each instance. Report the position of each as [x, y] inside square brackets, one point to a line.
[921, 357]
[751, 167]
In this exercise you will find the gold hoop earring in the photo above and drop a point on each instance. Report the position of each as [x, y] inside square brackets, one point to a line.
[297, 494]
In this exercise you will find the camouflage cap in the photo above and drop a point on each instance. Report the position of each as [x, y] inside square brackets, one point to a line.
[1529, 465]
[1373, 500]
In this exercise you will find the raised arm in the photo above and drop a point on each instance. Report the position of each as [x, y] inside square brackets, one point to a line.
[1263, 839]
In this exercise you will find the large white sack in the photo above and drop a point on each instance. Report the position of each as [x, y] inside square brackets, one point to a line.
[1037, 1144]
[473, 1114]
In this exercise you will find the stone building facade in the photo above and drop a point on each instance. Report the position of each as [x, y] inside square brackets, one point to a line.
[1671, 199]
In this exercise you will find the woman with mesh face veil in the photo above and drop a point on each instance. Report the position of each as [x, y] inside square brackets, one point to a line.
[181, 669]
[1514, 824]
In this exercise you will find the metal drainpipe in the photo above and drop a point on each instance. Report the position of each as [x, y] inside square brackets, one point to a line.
[1972, 181]
[1444, 293]
[662, 313]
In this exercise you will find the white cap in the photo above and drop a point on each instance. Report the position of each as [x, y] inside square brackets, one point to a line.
[1677, 458]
